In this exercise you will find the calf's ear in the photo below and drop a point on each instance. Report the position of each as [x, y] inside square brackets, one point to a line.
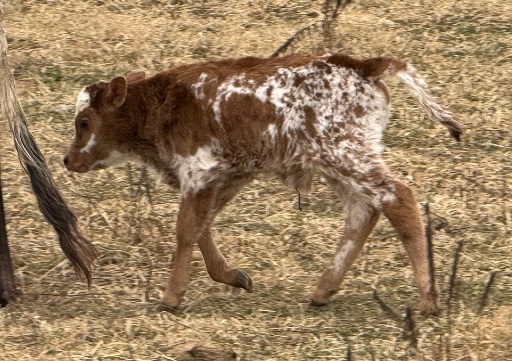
[116, 92]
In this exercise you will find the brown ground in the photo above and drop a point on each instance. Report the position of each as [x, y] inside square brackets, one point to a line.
[464, 49]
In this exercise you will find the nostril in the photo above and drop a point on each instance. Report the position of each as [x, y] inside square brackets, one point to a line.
[66, 160]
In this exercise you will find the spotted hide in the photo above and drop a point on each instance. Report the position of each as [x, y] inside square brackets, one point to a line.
[210, 128]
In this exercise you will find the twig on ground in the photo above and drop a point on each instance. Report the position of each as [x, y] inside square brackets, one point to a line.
[298, 195]
[349, 353]
[483, 300]
[453, 273]
[410, 330]
[386, 308]
[430, 250]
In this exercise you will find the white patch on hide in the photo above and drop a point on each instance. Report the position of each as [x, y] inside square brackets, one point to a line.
[389, 197]
[198, 87]
[385, 195]
[195, 171]
[271, 133]
[234, 85]
[375, 120]
[91, 143]
[82, 101]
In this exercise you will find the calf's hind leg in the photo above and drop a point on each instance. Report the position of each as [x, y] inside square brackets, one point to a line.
[396, 201]
[401, 209]
[359, 223]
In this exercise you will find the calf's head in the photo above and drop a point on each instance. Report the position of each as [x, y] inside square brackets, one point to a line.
[98, 126]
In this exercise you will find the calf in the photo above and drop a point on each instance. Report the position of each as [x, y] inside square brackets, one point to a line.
[210, 128]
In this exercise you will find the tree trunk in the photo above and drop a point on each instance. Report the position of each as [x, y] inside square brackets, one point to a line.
[7, 289]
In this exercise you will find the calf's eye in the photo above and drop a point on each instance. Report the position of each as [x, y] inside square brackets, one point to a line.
[84, 123]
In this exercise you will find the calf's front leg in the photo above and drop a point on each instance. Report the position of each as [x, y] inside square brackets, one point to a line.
[193, 220]
[218, 268]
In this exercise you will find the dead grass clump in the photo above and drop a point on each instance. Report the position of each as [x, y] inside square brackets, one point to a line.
[494, 333]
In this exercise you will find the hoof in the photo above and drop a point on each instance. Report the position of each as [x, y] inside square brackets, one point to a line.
[243, 280]
[317, 304]
[166, 308]
[429, 305]
[321, 297]
[429, 311]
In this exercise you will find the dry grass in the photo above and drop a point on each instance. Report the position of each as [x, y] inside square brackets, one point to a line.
[464, 48]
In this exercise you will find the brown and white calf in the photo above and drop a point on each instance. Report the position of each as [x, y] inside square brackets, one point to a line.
[210, 128]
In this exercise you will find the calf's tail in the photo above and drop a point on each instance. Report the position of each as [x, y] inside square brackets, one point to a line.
[408, 75]
[379, 67]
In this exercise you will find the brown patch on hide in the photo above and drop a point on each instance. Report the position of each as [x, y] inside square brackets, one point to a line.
[310, 121]
[238, 114]
[359, 111]
[367, 68]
